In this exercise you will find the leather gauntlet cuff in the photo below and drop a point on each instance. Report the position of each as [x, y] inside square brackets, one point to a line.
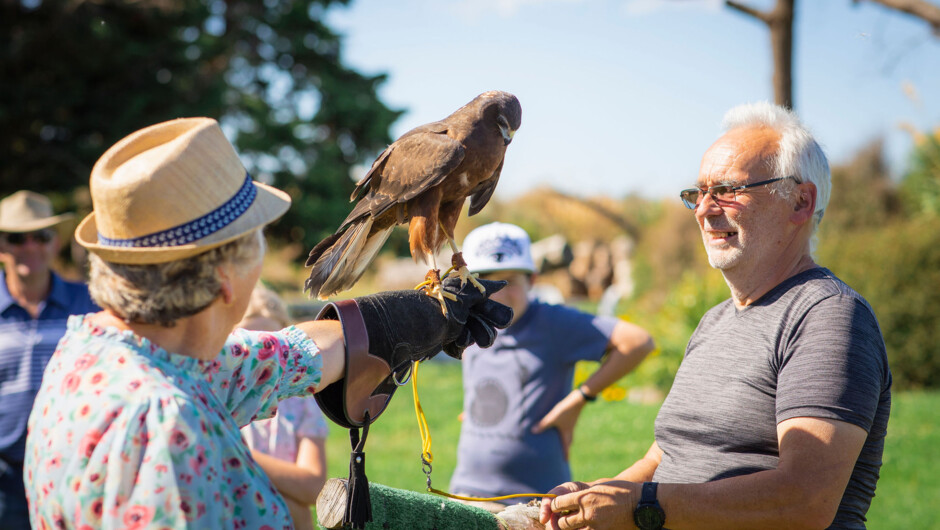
[367, 383]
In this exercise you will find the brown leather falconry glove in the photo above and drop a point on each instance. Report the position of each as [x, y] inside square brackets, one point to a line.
[386, 332]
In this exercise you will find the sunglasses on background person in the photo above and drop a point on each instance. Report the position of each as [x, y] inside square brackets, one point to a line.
[19, 238]
[724, 192]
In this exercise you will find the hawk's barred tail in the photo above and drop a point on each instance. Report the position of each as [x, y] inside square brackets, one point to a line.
[341, 259]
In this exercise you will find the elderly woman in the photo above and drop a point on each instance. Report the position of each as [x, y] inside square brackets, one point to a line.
[137, 420]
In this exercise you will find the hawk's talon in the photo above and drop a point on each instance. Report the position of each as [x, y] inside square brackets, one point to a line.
[460, 266]
[466, 275]
[432, 287]
[474, 281]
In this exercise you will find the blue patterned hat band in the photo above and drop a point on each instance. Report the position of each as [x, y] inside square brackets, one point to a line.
[196, 229]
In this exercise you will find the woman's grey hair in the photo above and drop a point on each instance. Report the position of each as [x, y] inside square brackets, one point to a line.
[798, 153]
[162, 293]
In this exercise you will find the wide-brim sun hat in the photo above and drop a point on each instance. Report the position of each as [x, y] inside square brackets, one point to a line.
[28, 211]
[498, 247]
[171, 191]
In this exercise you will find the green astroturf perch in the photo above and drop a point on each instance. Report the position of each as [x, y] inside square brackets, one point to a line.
[402, 509]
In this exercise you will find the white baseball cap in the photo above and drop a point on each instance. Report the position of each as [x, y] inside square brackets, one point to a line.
[498, 247]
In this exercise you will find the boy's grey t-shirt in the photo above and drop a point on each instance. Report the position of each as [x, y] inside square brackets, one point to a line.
[512, 385]
[811, 347]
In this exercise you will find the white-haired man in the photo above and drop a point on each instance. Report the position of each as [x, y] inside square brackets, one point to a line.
[779, 410]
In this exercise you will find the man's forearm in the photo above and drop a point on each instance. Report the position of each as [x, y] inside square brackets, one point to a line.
[642, 470]
[760, 500]
[817, 457]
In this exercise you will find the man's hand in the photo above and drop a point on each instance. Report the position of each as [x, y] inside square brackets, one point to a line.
[563, 416]
[547, 513]
[601, 506]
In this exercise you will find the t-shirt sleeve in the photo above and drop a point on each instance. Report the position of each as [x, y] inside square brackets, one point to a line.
[834, 366]
[580, 336]
[257, 369]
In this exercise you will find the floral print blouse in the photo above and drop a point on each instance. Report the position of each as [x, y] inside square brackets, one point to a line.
[124, 434]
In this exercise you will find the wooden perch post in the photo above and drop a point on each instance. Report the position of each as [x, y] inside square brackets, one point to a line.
[393, 508]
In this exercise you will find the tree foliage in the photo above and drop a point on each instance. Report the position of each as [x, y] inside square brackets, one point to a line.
[896, 268]
[80, 75]
[921, 185]
[863, 194]
[874, 238]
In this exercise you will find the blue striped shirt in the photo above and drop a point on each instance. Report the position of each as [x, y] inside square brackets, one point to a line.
[26, 344]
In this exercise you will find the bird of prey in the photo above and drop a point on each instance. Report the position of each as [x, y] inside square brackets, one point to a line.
[422, 179]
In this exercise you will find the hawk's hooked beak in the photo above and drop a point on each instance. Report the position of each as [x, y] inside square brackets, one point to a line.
[507, 134]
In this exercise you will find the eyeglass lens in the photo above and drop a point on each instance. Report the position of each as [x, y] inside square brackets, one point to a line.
[693, 196]
[19, 238]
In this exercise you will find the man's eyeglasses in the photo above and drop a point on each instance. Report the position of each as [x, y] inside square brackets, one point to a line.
[19, 238]
[724, 192]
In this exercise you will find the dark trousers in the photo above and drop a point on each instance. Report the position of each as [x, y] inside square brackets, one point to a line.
[13, 510]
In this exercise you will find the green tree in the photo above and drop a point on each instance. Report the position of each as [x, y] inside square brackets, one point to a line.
[80, 75]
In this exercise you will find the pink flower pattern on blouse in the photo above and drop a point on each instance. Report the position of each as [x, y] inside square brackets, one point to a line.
[124, 434]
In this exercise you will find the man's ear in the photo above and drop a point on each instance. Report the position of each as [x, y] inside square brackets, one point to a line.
[805, 204]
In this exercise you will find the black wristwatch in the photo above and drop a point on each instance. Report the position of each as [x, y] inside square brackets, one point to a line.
[649, 515]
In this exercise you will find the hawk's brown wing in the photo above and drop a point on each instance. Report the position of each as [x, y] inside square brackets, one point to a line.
[417, 161]
[482, 193]
[364, 183]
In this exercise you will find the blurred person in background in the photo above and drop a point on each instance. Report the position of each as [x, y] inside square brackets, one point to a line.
[291, 446]
[778, 413]
[137, 421]
[520, 410]
[35, 303]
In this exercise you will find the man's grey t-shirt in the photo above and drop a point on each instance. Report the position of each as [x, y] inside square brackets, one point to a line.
[811, 347]
[512, 385]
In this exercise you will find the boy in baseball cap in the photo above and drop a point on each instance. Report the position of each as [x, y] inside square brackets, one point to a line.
[519, 407]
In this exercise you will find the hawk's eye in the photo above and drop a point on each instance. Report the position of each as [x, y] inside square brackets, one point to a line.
[502, 122]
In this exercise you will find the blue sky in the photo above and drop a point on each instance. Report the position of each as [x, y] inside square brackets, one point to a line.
[624, 97]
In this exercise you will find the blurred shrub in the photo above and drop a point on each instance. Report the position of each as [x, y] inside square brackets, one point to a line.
[863, 194]
[921, 186]
[670, 249]
[897, 269]
[671, 322]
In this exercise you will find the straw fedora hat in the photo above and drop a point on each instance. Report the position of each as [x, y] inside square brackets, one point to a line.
[28, 211]
[171, 191]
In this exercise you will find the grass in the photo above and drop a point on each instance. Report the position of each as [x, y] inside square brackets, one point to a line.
[613, 434]
[908, 494]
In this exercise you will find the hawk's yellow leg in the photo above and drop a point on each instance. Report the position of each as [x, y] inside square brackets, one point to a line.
[458, 264]
[432, 285]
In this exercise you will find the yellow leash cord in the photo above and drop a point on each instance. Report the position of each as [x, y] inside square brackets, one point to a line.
[427, 457]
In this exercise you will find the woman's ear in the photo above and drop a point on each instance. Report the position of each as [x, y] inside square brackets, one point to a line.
[226, 290]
